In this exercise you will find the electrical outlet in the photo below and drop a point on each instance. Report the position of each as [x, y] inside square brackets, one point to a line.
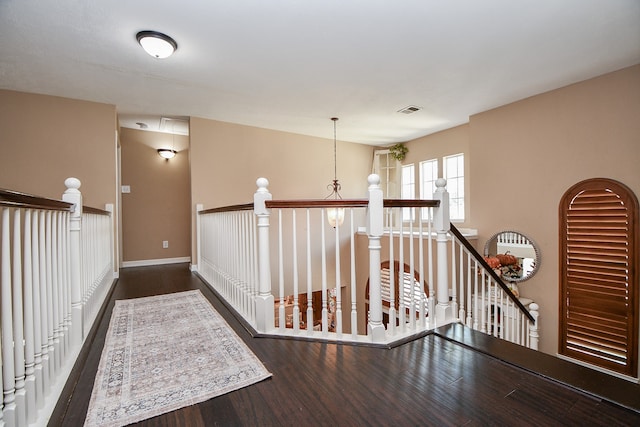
[165, 244]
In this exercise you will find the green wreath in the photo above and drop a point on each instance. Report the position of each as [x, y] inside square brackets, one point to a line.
[398, 151]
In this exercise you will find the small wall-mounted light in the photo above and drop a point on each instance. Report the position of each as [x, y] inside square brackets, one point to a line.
[167, 153]
[157, 44]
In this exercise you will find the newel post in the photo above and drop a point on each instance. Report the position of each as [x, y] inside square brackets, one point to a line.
[73, 195]
[264, 299]
[375, 230]
[444, 310]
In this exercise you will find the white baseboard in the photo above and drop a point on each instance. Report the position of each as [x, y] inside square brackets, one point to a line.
[194, 268]
[160, 261]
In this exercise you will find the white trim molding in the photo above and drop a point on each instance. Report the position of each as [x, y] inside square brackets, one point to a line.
[159, 261]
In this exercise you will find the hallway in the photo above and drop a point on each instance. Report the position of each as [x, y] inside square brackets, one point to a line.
[430, 381]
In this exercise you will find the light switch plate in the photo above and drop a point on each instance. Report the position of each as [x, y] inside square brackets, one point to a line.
[126, 189]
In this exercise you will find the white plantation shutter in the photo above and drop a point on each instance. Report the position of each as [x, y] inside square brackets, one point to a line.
[599, 280]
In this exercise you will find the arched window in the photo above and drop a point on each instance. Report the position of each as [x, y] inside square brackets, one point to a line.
[599, 275]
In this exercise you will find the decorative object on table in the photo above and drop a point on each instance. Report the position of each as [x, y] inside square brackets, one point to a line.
[163, 353]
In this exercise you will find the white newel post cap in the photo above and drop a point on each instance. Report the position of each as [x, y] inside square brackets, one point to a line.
[261, 195]
[373, 180]
[262, 184]
[441, 220]
[72, 185]
[72, 195]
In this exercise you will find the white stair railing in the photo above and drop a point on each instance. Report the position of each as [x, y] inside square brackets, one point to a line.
[43, 275]
[483, 301]
[227, 255]
[288, 272]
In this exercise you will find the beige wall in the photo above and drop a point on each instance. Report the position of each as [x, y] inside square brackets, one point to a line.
[46, 139]
[226, 160]
[525, 155]
[157, 208]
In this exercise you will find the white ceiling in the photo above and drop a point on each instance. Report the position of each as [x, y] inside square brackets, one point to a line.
[291, 65]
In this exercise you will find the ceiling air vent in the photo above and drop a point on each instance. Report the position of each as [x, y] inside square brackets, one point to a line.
[409, 110]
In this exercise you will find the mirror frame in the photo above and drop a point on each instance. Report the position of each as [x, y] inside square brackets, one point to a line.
[536, 249]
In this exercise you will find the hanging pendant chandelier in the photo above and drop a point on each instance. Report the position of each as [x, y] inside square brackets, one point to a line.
[335, 216]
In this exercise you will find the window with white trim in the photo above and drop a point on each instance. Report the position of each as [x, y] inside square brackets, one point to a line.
[428, 177]
[387, 169]
[454, 174]
[408, 189]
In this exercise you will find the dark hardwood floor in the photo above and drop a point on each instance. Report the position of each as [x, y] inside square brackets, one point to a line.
[452, 377]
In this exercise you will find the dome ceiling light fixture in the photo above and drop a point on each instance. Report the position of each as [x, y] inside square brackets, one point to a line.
[167, 153]
[157, 44]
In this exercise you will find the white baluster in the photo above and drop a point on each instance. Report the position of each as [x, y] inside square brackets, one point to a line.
[402, 308]
[44, 301]
[51, 298]
[470, 273]
[8, 365]
[421, 275]
[37, 309]
[478, 296]
[454, 279]
[391, 326]
[354, 312]
[29, 353]
[65, 289]
[484, 297]
[255, 277]
[337, 315]
[375, 231]
[2, 424]
[310, 319]
[533, 326]
[403, 275]
[245, 261]
[282, 323]
[18, 322]
[323, 267]
[294, 261]
[432, 292]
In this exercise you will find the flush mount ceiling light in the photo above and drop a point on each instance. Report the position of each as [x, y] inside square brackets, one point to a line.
[157, 44]
[167, 153]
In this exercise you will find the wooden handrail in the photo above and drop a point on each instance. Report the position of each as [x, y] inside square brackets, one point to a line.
[232, 208]
[410, 203]
[492, 273]
[317, 203]
[89, 209]
[17, 199]
[326, 203]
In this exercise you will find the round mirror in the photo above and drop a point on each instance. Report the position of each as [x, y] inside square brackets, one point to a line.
[517, 254]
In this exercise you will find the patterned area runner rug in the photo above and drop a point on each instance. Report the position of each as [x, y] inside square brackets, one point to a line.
[166, 352]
